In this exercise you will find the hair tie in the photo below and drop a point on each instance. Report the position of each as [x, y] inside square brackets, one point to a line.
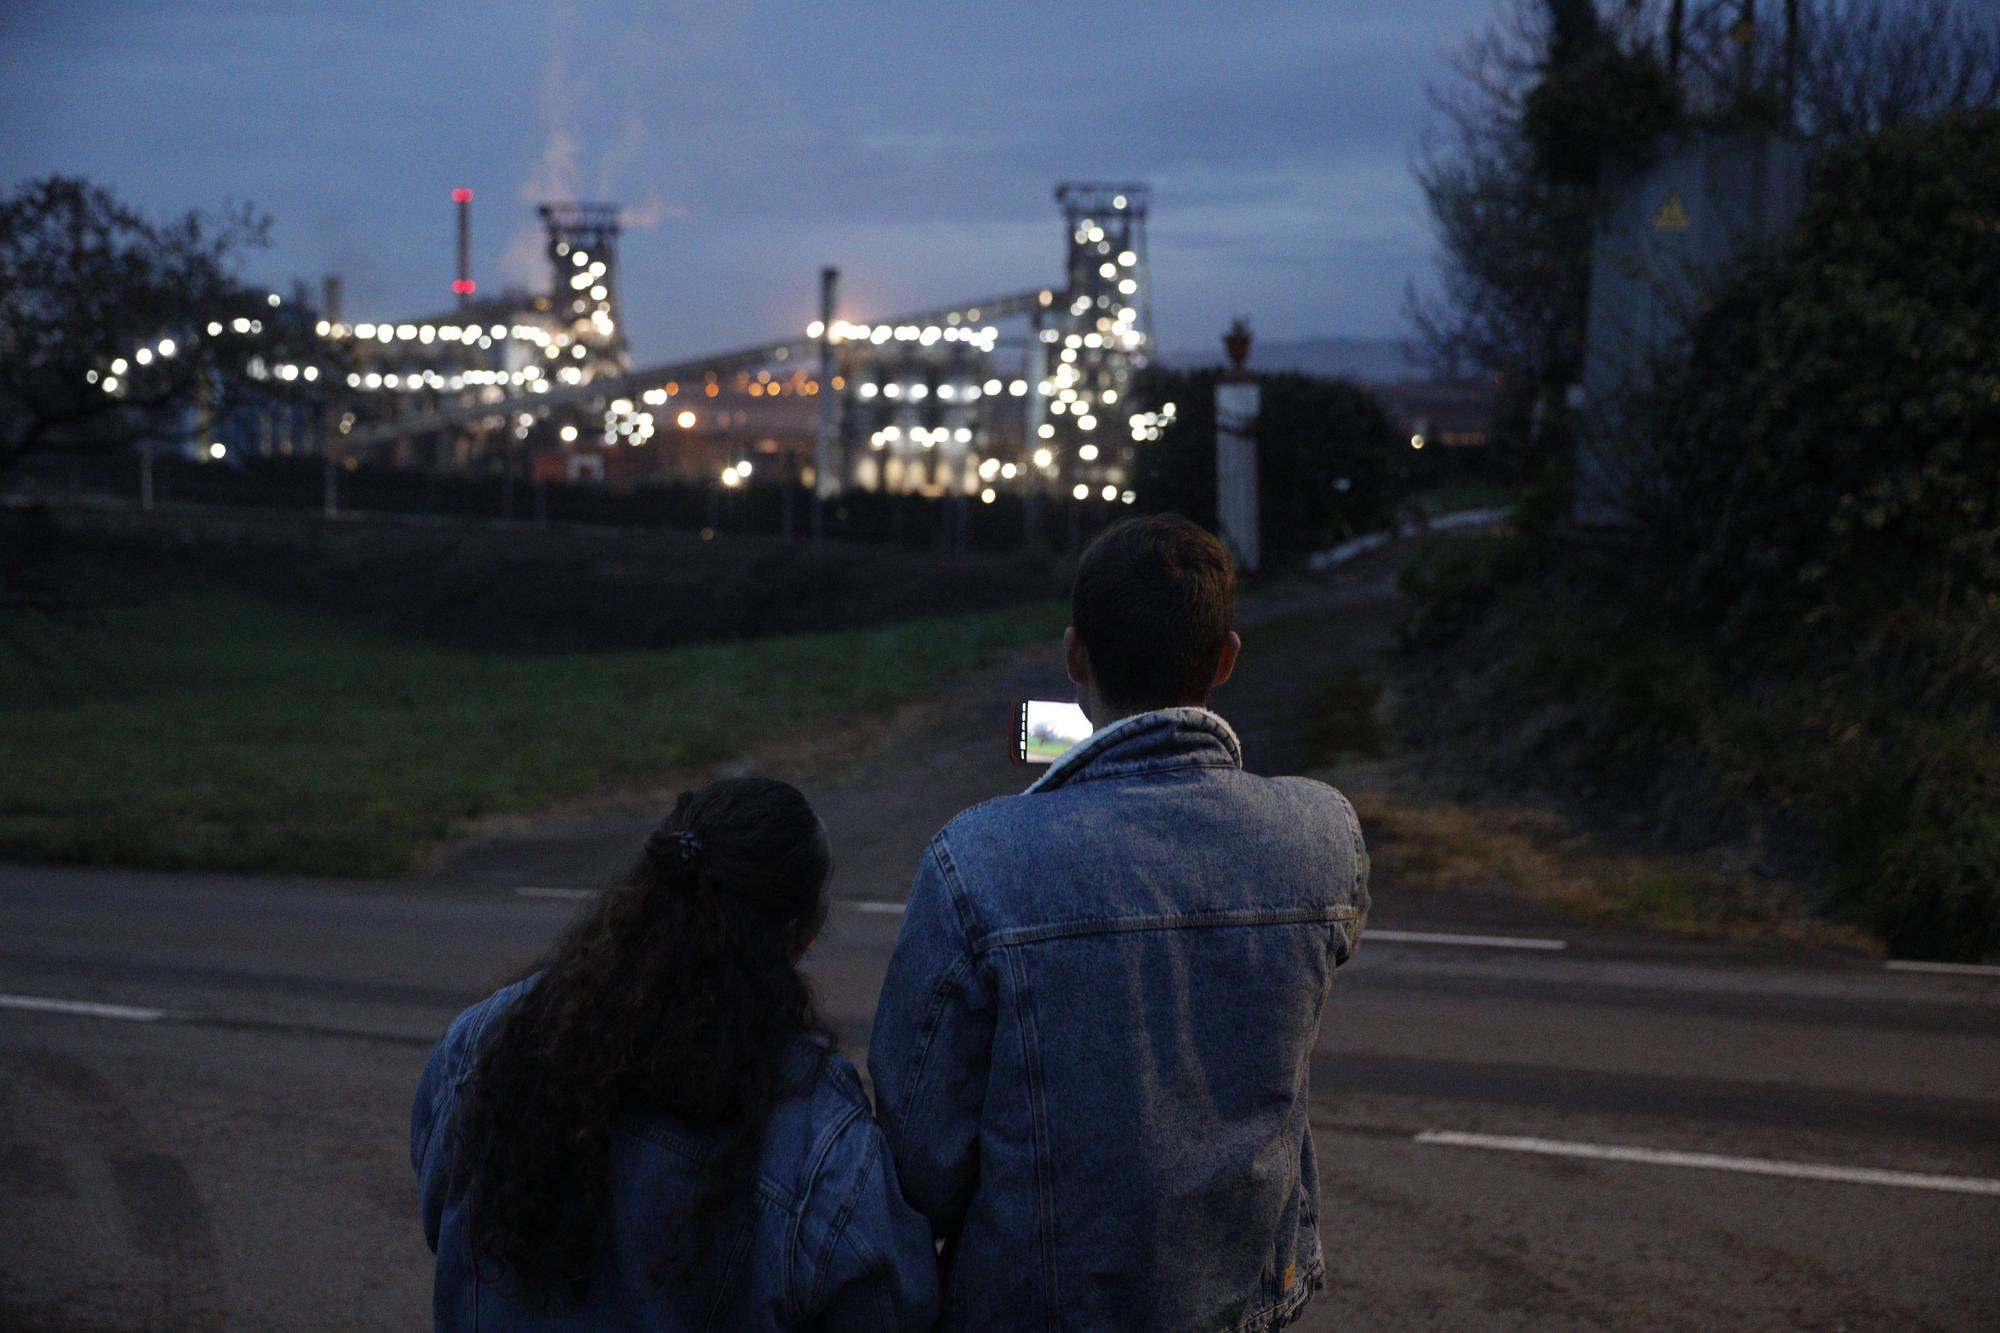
[673, 847]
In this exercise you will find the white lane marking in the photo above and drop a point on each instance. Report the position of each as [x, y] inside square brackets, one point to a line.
[81, 1008]
[536, 891]
[895, 908]
[1474, 941]
[1946, 969]
[1756, 1166]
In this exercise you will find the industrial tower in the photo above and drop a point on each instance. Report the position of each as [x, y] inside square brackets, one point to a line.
[583, 295]
[1092, 350]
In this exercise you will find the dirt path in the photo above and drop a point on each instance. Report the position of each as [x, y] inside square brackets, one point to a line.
[886, 785]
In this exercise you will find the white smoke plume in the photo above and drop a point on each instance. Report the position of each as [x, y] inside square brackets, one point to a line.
[569, 104]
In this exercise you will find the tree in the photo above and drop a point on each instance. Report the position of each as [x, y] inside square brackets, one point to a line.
[1867, 66]
[105, 318]
[1330, 463]
[1554, 87]
[1825, 440]
[1508, 174]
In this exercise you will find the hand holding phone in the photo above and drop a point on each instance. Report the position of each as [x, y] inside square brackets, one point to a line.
[1046, 729]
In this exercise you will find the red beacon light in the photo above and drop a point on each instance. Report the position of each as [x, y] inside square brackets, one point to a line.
[464, 286]
[461, 195]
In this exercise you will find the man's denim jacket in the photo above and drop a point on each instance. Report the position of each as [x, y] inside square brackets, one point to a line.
[1091, 1053]
[825, 1237]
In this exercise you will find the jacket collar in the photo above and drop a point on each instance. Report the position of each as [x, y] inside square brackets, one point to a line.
[1164, 738]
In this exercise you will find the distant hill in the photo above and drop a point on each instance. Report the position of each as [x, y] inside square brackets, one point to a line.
[1371, 360]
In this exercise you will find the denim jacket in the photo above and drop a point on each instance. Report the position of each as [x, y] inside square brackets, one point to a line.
[824, 1241]
[1091, 1053]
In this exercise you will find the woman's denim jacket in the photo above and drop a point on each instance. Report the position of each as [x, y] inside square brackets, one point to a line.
[825, 1239]
[1091, 1053]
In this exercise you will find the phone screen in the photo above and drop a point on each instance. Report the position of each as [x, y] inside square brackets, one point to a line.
[1044, 729]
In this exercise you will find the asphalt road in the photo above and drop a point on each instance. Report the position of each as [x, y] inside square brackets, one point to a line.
[225, 1145]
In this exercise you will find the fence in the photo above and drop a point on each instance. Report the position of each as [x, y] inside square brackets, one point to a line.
[770, 509]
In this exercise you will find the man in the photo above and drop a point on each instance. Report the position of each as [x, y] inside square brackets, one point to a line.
[1092, 1047]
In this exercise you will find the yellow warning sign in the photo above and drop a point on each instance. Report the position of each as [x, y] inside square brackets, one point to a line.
[1672, 215]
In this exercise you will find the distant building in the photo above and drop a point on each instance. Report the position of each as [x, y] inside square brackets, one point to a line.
[941, 402]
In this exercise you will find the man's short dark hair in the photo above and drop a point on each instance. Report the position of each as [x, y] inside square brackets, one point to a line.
[1153, 602]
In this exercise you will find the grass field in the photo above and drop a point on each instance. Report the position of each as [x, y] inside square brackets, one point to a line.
[212, 729]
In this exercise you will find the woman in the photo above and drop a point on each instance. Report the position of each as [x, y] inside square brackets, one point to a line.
[652, 1129]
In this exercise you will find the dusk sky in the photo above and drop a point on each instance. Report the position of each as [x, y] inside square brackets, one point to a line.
[915, 145]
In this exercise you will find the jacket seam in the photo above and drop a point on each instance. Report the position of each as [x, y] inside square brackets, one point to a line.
[825, 1257]
[1074, 766]
[948, 871]
[737, 1252]
[765, 1188]
[939, 994]
[445, 1104]
[870, 1263]
[841, 1233]
[1181, 921]
[1038, 1113]
[1138, 770]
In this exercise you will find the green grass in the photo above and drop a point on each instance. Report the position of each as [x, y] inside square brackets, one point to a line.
[215, 730]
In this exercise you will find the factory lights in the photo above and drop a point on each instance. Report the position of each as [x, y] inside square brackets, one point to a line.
[923, 392]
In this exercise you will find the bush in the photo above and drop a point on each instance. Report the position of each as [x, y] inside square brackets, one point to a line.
[1829, 443]
[1807, 608]
[1331, 464]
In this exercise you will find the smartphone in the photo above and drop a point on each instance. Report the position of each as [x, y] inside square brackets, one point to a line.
[1045, 729]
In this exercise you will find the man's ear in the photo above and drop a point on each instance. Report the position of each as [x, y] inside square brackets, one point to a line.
[1232, 647]
[1076, 658]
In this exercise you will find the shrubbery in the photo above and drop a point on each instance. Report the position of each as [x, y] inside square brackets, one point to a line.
[1331, 463]
[1806, 611]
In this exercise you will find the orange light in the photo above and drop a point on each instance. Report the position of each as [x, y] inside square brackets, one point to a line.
[839, 382]
[711, 390]
[673, 387]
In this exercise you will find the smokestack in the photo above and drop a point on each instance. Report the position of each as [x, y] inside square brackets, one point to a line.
[463, 284]
[329, 297]
[826, 481]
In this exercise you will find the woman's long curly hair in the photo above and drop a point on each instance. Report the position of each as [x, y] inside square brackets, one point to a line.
[676, 993]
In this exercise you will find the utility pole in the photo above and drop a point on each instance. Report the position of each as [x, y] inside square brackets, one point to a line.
[825, 483]
[1744, 33]
[1791, 88]
[1034, 368]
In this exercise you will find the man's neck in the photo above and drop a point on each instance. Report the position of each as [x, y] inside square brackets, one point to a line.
[1103, 714]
